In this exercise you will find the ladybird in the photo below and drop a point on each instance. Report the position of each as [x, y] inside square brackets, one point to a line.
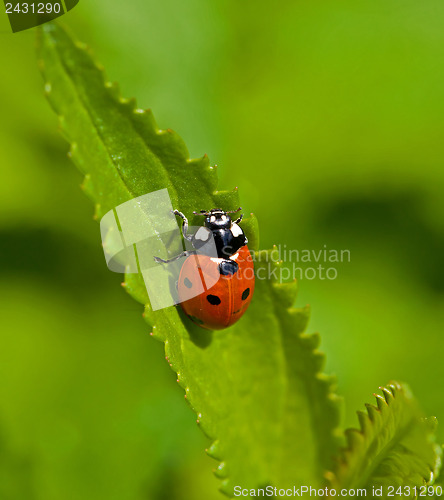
[231, 273]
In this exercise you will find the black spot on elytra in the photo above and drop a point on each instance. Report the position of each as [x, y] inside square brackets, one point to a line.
[187, 283]
[245, 293]
[214, 300]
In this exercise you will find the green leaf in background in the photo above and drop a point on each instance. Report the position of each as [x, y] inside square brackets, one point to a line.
[394, 446]
[257, 386]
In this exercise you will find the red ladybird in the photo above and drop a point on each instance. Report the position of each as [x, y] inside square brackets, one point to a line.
[226, 282]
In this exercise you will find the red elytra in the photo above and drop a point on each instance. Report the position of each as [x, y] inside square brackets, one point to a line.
[226, 301]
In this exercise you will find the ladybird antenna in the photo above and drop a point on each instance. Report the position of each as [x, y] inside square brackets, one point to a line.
[202, 212]
[234, 211]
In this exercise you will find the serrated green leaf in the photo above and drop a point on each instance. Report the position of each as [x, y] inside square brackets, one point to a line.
[394, 446]
[256, 387]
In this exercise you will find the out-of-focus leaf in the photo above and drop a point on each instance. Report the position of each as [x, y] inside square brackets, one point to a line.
[395, 446]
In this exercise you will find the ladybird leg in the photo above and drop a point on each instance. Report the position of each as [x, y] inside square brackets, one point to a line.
[183, 254]
[184, 224]
[239, 219]
[234, 211]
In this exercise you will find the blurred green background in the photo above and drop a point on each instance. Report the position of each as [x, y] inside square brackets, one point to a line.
[329, 117]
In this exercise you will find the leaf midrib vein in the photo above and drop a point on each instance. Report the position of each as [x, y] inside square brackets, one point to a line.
[100, 135]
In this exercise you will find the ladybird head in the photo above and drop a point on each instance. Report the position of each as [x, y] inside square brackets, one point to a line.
[217, 218]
